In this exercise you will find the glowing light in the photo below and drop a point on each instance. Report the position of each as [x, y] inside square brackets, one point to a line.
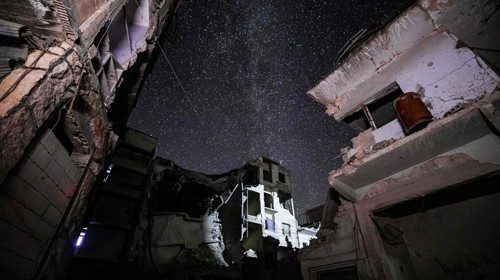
[79, 241]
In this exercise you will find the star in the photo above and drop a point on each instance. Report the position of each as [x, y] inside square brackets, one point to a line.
[246, 67]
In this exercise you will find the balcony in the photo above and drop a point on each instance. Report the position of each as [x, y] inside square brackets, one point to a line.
[468, 138]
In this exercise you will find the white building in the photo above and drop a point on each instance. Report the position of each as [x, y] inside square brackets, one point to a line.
[259, 219]
[265, 208]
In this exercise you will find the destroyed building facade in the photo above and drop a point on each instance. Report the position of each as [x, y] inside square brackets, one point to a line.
[70, 72]
[240, 224]
[259, 222]
[419, 188]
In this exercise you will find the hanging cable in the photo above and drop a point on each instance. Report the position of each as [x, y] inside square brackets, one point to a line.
[362, 238]
[172, 68]
[176, 77]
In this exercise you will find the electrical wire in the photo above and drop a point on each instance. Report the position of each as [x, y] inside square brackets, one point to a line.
[172, 68]
[85, 61]
[362, 238]
[19, 79]
[30, 68]
[176, 77]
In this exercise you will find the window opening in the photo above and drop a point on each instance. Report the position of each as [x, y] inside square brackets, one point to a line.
[270, 225]
[281, 177]
[286, 229]
[267, 175]
[377, 113]
[268, 200]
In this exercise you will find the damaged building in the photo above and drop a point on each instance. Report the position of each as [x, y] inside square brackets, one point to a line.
[70, 72]
[82, 196]
[153, 219]
[240, 224]
[418, 190]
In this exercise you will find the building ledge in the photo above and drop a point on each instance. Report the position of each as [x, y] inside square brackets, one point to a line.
[471, 131]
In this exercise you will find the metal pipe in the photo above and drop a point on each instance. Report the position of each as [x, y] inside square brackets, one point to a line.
[369, 117]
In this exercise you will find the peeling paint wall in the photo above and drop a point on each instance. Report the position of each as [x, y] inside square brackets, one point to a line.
[474, 22]
[378, 62]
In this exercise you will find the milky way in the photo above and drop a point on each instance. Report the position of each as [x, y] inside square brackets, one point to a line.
[246, 67]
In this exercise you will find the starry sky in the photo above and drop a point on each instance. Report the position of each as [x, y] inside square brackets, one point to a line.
[246, 67]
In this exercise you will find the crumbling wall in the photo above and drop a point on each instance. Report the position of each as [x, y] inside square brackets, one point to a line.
[83, 9]
[474, 22]
[180, 232]
[45, 193]
[447, 76]
[437, 64]
[180, 242]
[343, 246]
[446, 234]
[43, 17]
[32, 93]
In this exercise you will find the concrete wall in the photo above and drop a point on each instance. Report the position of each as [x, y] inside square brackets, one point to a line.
[43, 88]
[305, 235]
[33, 200]
[475, 23]
[83, 9]
[336, 249]
[279, 215]
[453, 236]
[455, 241]
[444, 75]
[383, 59]
[232, 226]
[437, 175]
[179, 240]
[419, 53]
[467, 136]
[36, 187]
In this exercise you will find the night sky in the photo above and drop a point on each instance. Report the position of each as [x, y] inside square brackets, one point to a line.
[246, 67]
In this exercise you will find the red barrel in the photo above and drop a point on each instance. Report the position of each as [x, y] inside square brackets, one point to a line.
[412, 112]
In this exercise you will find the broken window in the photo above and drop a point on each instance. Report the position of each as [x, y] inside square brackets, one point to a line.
[281, 177]
[285, 200]
[378, 112]
[268, 200]
[286, 228]
[253, 203]
[266, 174]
